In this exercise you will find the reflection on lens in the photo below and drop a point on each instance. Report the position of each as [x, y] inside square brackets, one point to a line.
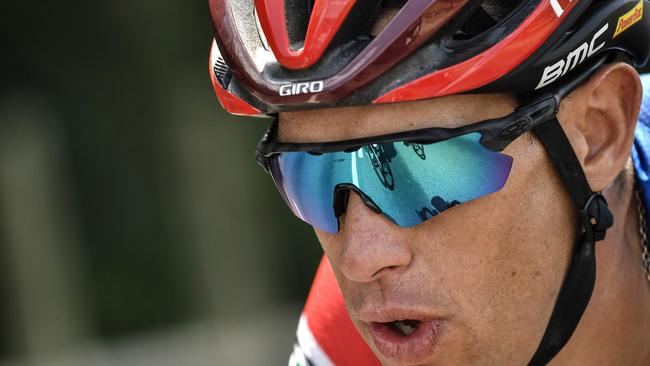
[410, 183]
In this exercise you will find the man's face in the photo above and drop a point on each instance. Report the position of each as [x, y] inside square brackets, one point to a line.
[479, 281]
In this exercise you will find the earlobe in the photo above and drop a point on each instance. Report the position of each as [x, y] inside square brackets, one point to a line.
[611, 101]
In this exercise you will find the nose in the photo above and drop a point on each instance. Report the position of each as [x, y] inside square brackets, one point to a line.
[371, 245]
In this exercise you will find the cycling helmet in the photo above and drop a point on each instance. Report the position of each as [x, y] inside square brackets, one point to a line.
[271, 56]
[278, 55]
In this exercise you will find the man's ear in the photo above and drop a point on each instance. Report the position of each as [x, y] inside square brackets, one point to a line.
[599, 118]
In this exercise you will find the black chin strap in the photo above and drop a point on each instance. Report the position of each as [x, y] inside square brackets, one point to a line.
[595, 219]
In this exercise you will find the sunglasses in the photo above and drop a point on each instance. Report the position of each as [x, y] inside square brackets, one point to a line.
[409, 177]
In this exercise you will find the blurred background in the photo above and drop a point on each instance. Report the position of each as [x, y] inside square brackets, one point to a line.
[135, 226]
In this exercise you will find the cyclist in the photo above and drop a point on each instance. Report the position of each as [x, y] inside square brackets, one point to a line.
[459, 161]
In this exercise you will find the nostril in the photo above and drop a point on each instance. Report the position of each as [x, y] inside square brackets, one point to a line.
[384, 269]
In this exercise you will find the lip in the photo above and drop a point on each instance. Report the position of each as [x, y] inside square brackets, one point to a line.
[397, 348]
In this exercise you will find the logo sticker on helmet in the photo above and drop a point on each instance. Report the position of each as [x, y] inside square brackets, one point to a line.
[557, 8]
[302, 88]
[629, 19]
[573, 59]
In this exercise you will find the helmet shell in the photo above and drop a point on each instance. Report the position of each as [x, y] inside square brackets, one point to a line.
[271, 56]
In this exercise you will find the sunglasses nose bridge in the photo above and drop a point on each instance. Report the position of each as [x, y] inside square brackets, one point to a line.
[340, 201]
[341, 197]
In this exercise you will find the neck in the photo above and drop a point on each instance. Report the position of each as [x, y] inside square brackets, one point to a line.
[614, 329]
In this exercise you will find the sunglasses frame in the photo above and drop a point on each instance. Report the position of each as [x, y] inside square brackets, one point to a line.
[496, 133]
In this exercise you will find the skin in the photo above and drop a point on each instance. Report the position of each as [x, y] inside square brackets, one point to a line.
[491, 268]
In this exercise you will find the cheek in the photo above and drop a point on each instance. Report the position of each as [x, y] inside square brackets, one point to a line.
[330, 243]
[494, 264]
[333, 248]
[502, 259]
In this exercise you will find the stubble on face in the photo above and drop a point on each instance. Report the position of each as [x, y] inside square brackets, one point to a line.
[488, 268]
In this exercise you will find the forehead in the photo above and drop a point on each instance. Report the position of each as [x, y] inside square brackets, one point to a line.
[370, 120]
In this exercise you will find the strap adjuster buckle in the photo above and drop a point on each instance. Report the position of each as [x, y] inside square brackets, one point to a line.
[596, 217]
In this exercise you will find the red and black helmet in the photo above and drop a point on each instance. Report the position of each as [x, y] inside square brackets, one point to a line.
[278, 55]
[271, 56]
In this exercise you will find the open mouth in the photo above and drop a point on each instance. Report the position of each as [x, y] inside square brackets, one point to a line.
[405, 327]
[406, 341]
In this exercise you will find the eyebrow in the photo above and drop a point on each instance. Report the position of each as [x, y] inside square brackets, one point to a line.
[323, 128]
[496, 133]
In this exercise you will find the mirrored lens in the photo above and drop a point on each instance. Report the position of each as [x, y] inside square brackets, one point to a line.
[409, 182]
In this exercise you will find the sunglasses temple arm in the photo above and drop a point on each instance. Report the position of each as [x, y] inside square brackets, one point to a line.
[568, 86]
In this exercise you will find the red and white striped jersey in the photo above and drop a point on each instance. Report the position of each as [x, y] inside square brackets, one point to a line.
[326, 335]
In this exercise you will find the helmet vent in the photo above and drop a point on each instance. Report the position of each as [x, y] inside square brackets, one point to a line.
[384, 14]
[222, 72]
[488, 14]
[297, 14]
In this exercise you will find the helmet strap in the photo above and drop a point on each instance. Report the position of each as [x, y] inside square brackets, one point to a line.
[594, 220]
